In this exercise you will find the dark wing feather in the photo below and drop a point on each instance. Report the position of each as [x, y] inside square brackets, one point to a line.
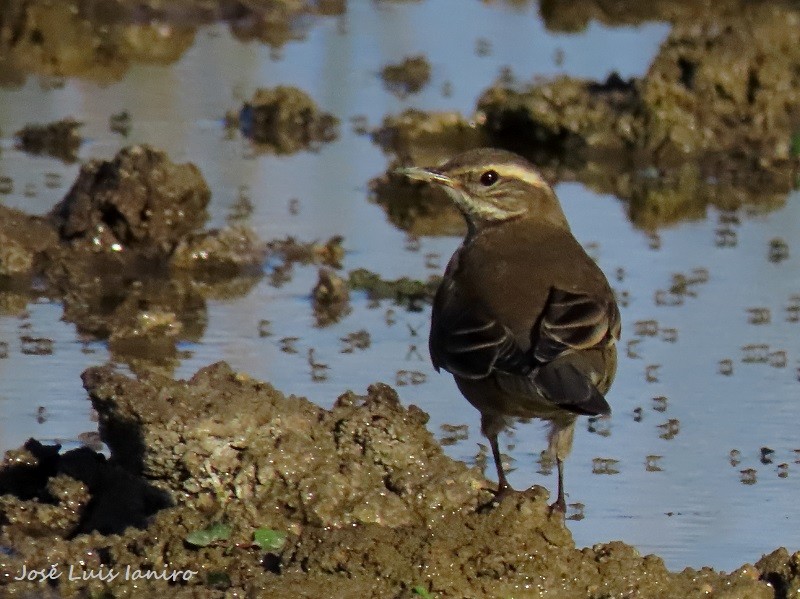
[566, 386]
[573, 322]
[562, 371]
[468, 341]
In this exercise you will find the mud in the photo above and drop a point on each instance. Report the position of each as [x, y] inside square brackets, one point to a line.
[127, 254]
[285, 120]
[59, 140]
[370, 505]
[100, 39]
[407, 77]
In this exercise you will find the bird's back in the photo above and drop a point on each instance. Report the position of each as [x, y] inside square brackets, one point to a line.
[508, 274]
[511, 270]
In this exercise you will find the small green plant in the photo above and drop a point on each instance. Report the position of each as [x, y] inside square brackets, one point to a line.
[422, 592]
[207, 536]
[268, 539]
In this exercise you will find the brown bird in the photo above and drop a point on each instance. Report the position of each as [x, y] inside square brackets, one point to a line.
[524, 319]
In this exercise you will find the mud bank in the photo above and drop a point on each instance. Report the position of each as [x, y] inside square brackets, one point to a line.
[369, 505]
[127, 253]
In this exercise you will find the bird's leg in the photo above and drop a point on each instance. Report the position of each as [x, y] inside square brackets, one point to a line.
[503, 488]
[560, 504]
[560, 444]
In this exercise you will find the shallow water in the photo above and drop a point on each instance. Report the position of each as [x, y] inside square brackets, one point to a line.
[694, 511]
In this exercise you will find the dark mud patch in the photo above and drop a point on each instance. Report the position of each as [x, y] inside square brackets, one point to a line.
[285, 120]
[59, 139]
[407, 77]
[139, 201]
[368, 503]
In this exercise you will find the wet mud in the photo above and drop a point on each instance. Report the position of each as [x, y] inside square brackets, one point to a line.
[284, 120]
[368, 503]
[127, 253]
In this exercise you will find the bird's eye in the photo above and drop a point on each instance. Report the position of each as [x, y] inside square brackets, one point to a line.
[489, 178]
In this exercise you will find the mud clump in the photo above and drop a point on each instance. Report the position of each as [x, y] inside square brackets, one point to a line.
[127, 254]
[404, 291]
[419, 137]
[331, 298]
[285, 120]
[366, 499]
[59, 139]
[140, 199]
[232, 250]
[407, 77]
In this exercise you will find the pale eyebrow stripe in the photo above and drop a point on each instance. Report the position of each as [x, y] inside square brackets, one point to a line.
[517, 172]
[512, 171]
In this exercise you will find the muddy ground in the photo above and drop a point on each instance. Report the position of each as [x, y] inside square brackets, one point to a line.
[360, 499]
[368, 503]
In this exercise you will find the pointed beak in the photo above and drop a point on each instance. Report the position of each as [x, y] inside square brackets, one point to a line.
[429, 175]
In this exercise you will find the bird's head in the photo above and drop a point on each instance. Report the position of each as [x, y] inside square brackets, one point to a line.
[492, 186]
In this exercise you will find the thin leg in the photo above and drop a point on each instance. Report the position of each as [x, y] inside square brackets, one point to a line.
[503, 488]
[560, 504]
[560, 444]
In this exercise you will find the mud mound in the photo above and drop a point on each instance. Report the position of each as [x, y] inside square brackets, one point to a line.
[138, 198]
[285, 120]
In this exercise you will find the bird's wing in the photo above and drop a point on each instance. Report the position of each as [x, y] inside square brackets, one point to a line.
[468, 341]
[573, 322]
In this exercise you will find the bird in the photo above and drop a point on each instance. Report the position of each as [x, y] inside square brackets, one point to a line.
[524, 319]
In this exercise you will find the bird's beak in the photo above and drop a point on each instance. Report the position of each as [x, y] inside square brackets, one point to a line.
[428, 175]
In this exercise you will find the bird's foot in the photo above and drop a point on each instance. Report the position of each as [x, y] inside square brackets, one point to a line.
[559, 507]
[503, 492]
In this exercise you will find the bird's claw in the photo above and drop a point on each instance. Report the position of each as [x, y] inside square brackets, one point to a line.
[559, 507]
[502, 492]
